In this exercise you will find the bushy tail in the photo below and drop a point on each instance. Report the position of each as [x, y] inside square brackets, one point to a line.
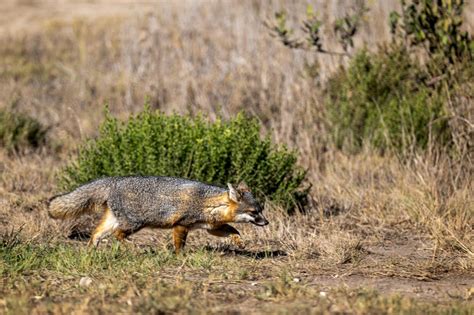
[84, 199]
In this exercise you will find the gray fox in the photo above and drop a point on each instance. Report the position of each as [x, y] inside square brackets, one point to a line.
[134, 202]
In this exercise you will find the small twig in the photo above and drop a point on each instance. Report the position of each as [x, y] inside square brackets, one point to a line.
[434, 80]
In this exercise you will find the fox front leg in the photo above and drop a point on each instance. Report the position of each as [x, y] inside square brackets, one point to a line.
[227, 230]
[179, 237]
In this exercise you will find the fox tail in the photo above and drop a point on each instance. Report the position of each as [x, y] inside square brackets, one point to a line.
[81, 200]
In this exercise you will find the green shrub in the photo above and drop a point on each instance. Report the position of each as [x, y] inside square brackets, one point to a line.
[435, 25]
[20, 132]
[152, 143]
[382, 98]
[391, 99]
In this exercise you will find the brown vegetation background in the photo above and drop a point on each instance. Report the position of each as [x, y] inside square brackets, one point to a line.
[373, 220]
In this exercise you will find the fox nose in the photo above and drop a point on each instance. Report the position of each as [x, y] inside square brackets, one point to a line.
[263, 221]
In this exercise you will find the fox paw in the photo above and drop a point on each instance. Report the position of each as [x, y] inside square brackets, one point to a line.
[237, 241]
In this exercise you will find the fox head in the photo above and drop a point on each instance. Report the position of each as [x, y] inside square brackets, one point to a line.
[248, 210]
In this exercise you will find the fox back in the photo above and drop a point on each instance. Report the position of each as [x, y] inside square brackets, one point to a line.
[163, 201]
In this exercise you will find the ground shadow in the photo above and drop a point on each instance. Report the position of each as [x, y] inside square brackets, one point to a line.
[79, 235]
[227, 250]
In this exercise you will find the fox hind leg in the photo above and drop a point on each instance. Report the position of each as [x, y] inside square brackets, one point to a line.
[226, 230]
[107, 226]
[180, 234]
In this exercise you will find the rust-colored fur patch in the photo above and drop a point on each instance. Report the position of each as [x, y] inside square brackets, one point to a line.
[231, 211]
[222, 201]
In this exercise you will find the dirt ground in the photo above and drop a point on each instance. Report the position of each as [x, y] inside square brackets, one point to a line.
[402, 265]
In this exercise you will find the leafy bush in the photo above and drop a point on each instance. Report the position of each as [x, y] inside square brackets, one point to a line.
[152, 143]
[436, 26]
[393, 101]
[20, 132]
[383, 99]
[390, 99]
[345, 29]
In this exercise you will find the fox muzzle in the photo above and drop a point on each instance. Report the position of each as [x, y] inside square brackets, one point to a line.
[260, 220]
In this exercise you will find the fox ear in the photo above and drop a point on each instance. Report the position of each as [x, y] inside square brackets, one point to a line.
[243, 187]
[234, 195]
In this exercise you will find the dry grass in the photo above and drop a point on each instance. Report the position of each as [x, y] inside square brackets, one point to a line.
[398, 228]
[354, 238]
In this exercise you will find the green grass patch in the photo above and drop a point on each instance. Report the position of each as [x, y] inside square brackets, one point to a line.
[63, 259]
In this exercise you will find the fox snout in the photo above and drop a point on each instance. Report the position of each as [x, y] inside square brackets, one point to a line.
[259, 220]
[254, 218]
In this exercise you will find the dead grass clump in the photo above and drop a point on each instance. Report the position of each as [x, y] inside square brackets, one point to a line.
[26, 182]
[383, 193]
[339, 247]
